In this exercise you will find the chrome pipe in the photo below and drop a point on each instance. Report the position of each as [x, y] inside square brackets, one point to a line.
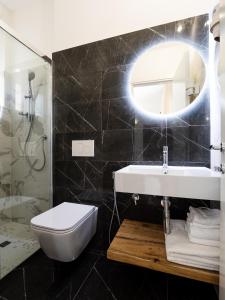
[166, 214]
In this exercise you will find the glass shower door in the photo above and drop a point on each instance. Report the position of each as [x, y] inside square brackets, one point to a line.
[25, 148]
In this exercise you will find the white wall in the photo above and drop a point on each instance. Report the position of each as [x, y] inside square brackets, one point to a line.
[82, 21]
[78, 22]
[34, 21]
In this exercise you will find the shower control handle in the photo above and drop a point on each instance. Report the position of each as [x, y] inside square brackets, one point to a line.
[28, 97]
[23, 114]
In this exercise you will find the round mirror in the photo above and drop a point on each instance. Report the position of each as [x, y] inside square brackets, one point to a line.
[167, 78]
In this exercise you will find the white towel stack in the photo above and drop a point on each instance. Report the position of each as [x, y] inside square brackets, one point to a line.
[195, 242]
[203, 226]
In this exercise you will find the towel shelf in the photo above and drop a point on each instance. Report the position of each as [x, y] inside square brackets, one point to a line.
[143, 244]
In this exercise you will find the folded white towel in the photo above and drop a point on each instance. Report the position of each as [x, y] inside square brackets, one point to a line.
[204, 234]
[195, 259]
[189, 219]
[180, 250]
[204, 216]
[203, 241]
[184, 260]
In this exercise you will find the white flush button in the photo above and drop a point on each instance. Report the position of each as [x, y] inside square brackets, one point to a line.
[83, 148]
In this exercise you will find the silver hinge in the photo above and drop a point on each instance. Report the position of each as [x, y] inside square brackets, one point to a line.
[220, 147]
[220, 168]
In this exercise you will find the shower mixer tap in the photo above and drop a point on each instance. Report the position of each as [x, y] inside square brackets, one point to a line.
[23, 114]
[28, 97]
[29, 114]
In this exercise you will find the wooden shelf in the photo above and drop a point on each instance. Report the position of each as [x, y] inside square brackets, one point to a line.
[143, 244]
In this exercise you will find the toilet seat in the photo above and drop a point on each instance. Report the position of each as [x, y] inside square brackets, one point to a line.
[65, 230]
[63, 218]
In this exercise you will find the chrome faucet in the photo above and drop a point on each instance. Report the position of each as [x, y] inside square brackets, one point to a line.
[165, 159]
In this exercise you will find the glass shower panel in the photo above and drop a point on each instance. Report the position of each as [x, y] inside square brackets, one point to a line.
[25, 148]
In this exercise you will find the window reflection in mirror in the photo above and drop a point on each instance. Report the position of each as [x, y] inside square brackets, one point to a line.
[167, 78]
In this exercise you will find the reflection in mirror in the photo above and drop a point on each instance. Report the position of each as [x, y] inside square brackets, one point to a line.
[167, 78]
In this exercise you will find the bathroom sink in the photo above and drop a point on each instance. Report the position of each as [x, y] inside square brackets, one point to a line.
[184, 182]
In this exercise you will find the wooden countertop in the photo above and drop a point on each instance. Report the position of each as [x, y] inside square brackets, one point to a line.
[143, 244]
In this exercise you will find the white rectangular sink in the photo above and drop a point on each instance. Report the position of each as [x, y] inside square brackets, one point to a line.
[183, 182]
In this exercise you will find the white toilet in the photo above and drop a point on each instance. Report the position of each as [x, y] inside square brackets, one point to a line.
[65, 230]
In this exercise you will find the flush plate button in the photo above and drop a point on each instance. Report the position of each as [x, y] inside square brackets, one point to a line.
[83, 148]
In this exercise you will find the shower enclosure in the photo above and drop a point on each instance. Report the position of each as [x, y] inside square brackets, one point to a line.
[25, 148]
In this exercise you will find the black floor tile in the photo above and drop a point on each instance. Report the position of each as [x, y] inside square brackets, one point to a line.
[154, 287]
[94, 289]
[38, 280]
[12, 286]
[81, 268]
[129, 282]
[94, 277]
[38, 259]
[187, 289]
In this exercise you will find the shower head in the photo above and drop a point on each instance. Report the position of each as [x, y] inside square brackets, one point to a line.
[31, 76]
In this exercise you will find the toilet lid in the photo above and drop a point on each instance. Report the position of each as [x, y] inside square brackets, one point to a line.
[63, 217]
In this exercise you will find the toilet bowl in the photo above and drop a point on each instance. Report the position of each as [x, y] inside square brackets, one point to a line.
[65, 230]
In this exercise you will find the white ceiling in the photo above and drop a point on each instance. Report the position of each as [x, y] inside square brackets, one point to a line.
[15, 4]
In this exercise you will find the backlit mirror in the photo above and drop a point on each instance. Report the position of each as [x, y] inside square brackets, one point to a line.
[167, 78]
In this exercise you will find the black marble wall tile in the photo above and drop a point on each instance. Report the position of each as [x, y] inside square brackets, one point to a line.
[114, 82]
[93, 175]
[72, 88]
[117, 145]
[117, 114]
[58, 116]
[70, 173]
[189, 143]
[148, 144]
[109, 168]
[60, 147]
[78, 117]
[142, 39]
